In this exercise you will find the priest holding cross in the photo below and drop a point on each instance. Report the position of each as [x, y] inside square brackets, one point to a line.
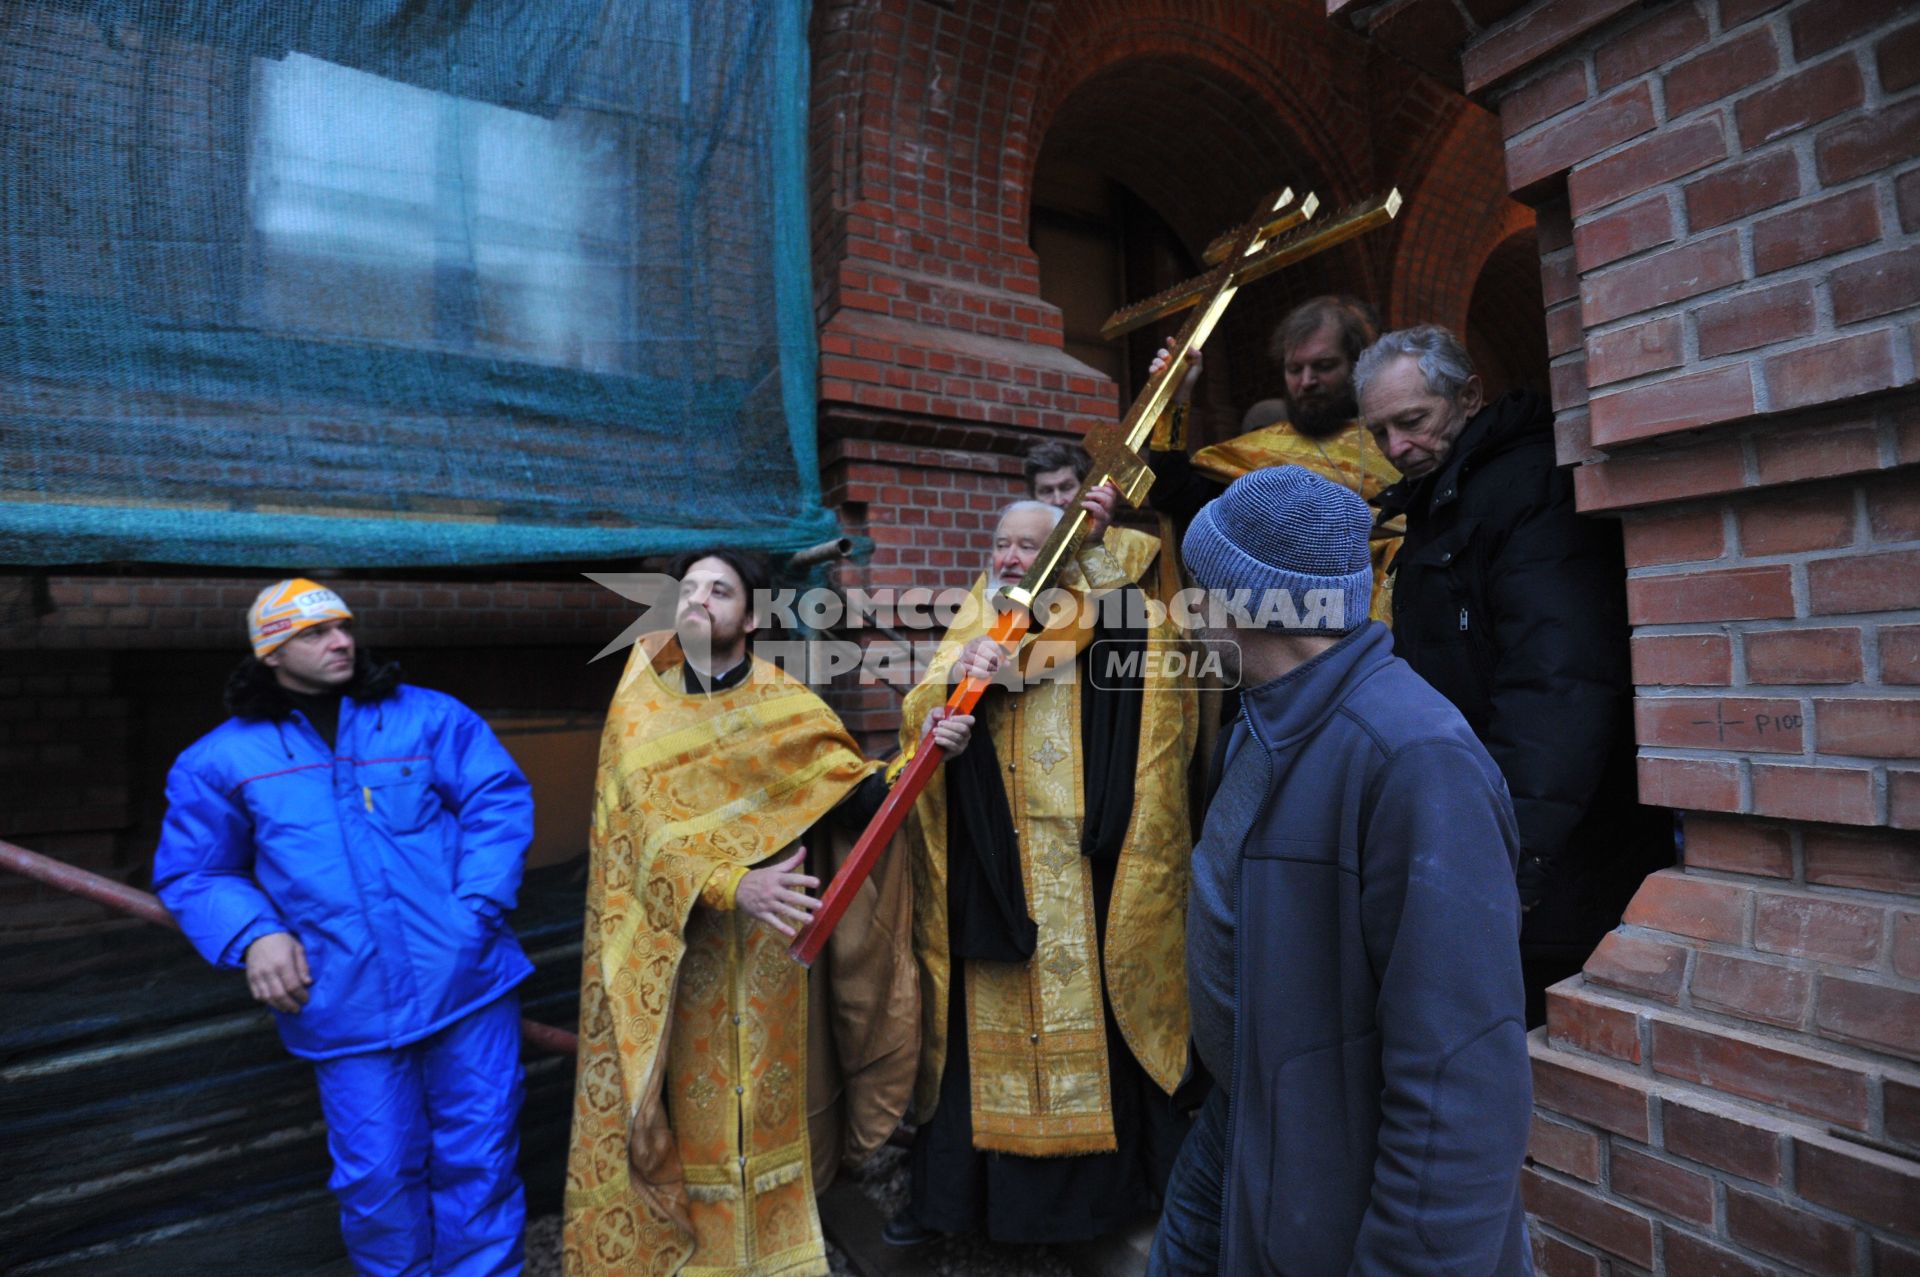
[1050, 864]
[1050, 871]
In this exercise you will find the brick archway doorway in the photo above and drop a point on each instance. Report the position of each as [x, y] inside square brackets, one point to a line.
[1142, 163]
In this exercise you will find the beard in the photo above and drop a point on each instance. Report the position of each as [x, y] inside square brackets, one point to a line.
[1324, 416]
[702, 637]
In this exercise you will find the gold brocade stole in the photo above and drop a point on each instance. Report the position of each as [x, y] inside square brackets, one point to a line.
[1350, 459]
[688, 786]
[1036, 1031]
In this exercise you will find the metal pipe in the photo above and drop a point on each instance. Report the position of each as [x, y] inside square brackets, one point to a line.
[147, 907]
[825, 552]
[548, 1038]
[198, 1035]
[78, 882]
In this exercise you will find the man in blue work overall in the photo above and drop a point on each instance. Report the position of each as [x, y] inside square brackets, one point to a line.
[355, 843]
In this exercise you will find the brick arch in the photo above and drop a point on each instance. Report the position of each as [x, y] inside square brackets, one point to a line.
[1458, 213]
[927, 122]
[1306, 73]
[1202, 119]
[1506, 328]
[1166, 128]
[916, 111]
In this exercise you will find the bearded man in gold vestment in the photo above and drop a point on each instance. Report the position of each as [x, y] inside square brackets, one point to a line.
[1316, 346]
[1050, 881]
[719, 1082]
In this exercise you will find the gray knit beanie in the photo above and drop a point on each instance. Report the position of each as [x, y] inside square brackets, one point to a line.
[1286, 528]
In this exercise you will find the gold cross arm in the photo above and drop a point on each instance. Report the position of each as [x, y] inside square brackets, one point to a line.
[1296, 246]
[1280, 223]
[1116, 448]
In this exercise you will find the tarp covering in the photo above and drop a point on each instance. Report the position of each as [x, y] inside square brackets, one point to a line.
[367, 283]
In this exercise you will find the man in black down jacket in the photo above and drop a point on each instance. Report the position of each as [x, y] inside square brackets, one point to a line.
[1352, 966]
[1513, 605]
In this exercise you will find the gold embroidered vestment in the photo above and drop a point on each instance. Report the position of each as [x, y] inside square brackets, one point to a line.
[690, 1147]
[1036, 1037]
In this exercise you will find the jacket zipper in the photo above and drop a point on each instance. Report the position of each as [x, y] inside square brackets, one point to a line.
[1239, 964]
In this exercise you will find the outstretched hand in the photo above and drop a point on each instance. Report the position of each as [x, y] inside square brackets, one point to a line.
[777, 894]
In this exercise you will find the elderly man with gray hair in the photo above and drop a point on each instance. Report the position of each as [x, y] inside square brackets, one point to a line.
[1050, 886]
[1513, 606]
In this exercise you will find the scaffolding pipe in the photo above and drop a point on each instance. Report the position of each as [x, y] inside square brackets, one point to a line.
[147, 907]
[825, 552]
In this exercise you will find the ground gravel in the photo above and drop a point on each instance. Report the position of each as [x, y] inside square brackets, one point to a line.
[883, 1181]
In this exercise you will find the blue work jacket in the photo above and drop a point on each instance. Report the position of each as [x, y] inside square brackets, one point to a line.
[393, 857]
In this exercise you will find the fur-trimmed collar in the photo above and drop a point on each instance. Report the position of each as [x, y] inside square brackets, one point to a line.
[253, 692]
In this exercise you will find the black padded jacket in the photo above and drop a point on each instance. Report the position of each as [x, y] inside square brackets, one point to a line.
[1513, 606]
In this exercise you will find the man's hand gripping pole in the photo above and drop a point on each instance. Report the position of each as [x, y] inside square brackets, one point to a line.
[1115, 451]
[1009, 627]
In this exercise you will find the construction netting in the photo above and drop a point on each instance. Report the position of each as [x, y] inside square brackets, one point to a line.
[365, 283]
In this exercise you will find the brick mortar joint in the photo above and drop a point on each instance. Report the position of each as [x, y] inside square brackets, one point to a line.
[1889, 904]
[1873, 1067]
[1816, 269]
[1874, 767]
[1734, 561]
[1778, 23]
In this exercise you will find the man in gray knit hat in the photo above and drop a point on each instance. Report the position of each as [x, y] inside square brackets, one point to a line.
[1351, 933]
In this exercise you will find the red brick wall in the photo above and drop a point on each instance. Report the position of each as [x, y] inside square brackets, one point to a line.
[940, 360]
[931, 512]
[1728, 192]
[1731, 282]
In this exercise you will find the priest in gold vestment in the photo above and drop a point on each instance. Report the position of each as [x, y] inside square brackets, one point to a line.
[1050, 882]
[1316, 346]
[718, 1081]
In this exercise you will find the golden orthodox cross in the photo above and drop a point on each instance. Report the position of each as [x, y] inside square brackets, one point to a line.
[1275, 237]
[1272, 239]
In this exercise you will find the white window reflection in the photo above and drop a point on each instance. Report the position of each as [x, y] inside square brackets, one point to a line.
[388, 213]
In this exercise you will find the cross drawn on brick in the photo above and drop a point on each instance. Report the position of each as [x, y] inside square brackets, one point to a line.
[1248, 252]
[1719, 722]
[1762, 723]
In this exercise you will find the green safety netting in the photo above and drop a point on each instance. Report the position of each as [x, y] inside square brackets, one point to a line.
[367, 283]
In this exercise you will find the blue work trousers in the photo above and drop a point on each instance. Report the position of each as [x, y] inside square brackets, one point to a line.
[424, 1139]
[1187, 1243]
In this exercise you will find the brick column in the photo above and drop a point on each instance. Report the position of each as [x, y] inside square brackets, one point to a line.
[1728, 192]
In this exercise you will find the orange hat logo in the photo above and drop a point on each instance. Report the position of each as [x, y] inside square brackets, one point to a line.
[285, 608]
